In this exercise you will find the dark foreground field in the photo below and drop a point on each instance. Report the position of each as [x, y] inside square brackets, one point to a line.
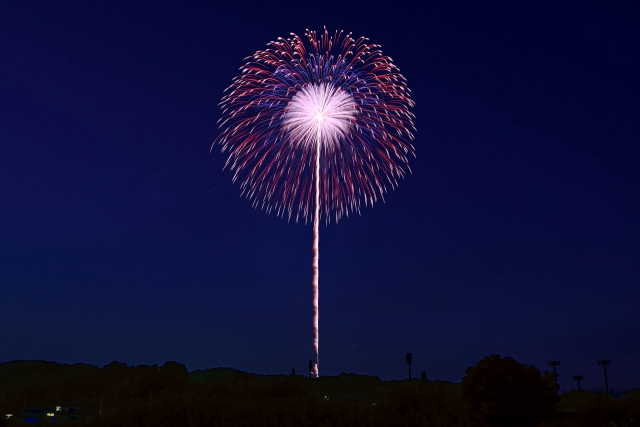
[495, 392]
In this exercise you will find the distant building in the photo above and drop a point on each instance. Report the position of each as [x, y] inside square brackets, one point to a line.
[52, 414]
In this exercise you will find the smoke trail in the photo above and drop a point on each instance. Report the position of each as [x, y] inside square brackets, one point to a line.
[316, 254]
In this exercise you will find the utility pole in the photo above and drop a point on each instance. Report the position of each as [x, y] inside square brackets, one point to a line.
[409, 360]
[424, 376]
[310, 367]
[604, 364]
[554, 363]
[578, 378]
[293, 372]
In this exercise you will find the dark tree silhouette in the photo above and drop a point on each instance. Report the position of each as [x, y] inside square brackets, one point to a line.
[174, 375]
[503, 392]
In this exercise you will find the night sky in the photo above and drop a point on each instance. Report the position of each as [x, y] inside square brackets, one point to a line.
[122, 237]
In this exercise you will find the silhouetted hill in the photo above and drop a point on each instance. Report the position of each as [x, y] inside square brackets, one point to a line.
[28, 373]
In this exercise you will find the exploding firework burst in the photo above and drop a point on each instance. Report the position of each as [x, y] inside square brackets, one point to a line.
[317, 127]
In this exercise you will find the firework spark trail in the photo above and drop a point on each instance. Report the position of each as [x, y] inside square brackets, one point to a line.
[316, 258]
[323, 125]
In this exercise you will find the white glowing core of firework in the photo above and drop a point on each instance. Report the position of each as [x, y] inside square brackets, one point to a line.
[319, 108]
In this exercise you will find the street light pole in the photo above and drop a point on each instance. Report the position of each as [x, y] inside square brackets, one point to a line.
[604, 364]
[409, 360]
[554, 363]
[578, 378]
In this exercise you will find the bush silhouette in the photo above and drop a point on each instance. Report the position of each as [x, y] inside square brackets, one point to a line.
[503, 392]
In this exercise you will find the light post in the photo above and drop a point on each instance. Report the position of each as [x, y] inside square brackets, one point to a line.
[604, 364]
[578, 378]
[409, 360]
[554, 363]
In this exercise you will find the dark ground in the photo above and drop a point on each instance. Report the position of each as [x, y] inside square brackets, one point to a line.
[170, 395]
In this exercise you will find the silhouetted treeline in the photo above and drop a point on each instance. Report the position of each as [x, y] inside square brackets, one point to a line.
[495, 392]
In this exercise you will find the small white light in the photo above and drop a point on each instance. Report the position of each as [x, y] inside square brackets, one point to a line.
[11, 415]
[58, 408]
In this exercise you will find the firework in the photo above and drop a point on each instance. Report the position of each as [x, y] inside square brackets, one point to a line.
[315, 127]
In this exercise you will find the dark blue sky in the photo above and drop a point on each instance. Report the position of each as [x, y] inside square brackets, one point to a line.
[121, 238]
